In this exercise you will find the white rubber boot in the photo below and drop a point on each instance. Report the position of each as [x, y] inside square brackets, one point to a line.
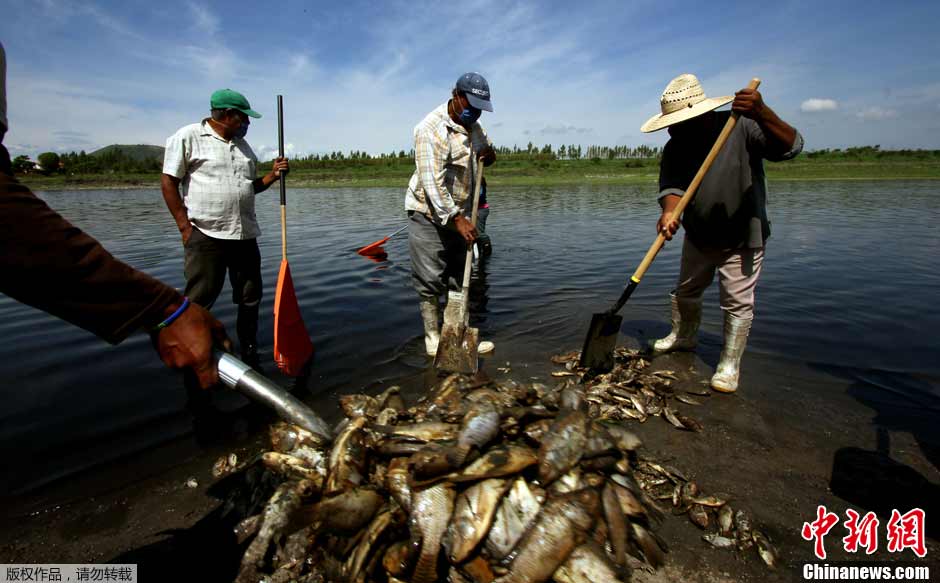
[686, 315]
[726, 375]
[430, 315]
[485, 347]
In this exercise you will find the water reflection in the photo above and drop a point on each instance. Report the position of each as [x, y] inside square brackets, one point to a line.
[843, 285]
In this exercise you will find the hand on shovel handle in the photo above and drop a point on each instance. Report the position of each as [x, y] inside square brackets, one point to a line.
[466, 229]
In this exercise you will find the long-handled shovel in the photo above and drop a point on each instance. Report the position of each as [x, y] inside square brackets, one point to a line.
[376, 248]
[458, 349]
[237, 375]
[292, 345]
[597, 353]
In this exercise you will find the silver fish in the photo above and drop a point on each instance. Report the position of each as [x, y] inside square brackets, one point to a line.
[766, 550]
[616, 523]
[425, 431]
[347, 458]
[397, 482]
[473, 515]
[357, 560]
[513, 517]
[586, 564]
[725, 520]
[562, 447]
[431, 509]
[718, 541]
[359, 405]
[561, 526]
[480, 425]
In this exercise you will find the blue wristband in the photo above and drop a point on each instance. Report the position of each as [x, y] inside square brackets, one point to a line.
[173, 316]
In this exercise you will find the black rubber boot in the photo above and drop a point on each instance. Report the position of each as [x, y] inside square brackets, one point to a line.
[247, 329]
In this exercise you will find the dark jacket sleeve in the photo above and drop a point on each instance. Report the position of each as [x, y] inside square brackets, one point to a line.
[50, 264]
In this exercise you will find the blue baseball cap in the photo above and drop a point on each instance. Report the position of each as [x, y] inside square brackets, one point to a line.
[477, 90]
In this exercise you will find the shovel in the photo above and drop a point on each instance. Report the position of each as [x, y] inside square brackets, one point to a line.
[458, 349]
[237, 375]
[598, 351]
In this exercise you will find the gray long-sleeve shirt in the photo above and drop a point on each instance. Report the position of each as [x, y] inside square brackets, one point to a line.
[729, 209]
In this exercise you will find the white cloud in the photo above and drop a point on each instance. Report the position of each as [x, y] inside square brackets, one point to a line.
[876, 114]
[816, 105]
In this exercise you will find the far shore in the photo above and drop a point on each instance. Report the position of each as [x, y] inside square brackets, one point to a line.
[513, 172]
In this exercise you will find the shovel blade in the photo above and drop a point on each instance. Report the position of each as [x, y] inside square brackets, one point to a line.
[458, 350]
[598, 351]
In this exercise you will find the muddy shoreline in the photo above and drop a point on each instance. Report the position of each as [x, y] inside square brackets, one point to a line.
[790, 440]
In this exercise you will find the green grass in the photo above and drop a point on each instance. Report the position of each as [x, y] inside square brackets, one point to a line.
[526, 171]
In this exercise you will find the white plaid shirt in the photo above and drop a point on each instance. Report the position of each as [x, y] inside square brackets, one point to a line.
[442, 184]
[215, 180]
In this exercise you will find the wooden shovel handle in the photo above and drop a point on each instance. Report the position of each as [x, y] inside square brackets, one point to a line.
[478, 179]
[690, 191]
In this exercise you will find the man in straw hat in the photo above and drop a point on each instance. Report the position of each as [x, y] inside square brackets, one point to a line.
[448, 143]
[726, 223]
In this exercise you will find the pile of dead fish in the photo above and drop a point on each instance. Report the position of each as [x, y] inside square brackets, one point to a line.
[477, 482]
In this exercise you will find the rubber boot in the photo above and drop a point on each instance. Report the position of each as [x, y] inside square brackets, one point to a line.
[485, 347]
[686, 316]
[247, 328]
[430, 315]
[725, 379]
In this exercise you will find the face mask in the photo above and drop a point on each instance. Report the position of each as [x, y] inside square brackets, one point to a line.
[469, 115]
[242, 131]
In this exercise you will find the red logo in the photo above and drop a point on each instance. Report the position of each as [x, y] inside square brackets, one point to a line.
[905, 531]
[819, 528]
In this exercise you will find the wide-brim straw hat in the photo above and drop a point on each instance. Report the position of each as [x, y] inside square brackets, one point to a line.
[683, 99]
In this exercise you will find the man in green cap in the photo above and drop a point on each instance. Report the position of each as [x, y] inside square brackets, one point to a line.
[209, 185]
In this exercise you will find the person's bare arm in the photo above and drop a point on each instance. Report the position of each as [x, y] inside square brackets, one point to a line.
[170, 185]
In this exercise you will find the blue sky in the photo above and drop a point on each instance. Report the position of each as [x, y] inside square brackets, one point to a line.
[360, 75]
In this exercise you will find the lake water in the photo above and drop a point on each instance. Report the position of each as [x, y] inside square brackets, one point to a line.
[849, 286]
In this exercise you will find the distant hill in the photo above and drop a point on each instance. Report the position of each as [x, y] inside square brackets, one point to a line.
[138, 152]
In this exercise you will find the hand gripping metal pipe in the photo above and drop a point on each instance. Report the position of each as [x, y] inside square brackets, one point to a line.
[241, 377]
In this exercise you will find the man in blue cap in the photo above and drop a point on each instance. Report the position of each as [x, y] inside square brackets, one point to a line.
[448, 143]
[209, 186]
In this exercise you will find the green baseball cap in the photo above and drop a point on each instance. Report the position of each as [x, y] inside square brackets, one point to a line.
[228, 99]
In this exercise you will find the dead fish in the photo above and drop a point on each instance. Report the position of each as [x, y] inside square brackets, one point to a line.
[766, 550]
[687, 399]
[479, 570]
[665, 374]
[699, 516]
[397, 482]
[560, 527]
[359, 405]
[387, 416]
[725, 520]
[671, 417]
[689, 423]
[563, 445]
[648, 545]
[634, 414]
[391, 398]
[617, 532]
[277, 514]
[290, 466]
[535, 431]
[425, 431]
[247, 528]
[624, 439]
[603, 463]
[567, 483]
[599, 442]
[431, 511]
[397, 559]
[224, 465]
[499, 461]
[346, 512]
[513, 518]
[718, 541]
[285, 437]
[700, 392]
[473, 515]
[586, 564]
[432, 461]
[742, 524]
[397, 447]
[711, 501]
[480, 425]
[563, 373]
[356, 561]
[347, 458]
[566, 357]
[638, 404]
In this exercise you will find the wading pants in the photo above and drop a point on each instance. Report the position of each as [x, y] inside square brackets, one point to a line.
[437, 257]
[738, 271]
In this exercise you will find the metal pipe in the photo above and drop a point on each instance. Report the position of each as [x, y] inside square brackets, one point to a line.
[239, 376]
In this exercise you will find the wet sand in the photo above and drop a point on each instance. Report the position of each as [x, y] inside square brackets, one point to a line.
[789, 440]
